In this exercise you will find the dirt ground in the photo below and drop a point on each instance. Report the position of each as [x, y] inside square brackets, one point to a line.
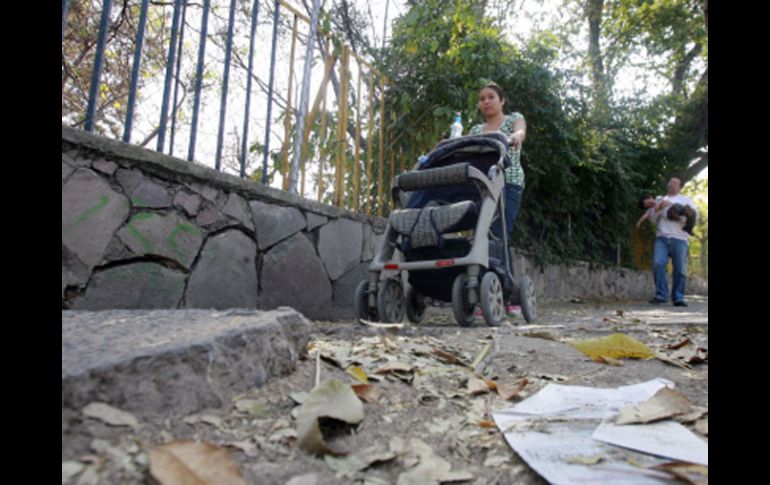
[425, 398]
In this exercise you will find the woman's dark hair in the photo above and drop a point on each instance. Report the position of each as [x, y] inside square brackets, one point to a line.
[496, 88]
[642, 199]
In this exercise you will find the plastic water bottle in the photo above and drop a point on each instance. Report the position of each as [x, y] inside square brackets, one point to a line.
[457, 127]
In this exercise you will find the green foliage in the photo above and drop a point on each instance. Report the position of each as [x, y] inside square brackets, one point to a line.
[582, 183]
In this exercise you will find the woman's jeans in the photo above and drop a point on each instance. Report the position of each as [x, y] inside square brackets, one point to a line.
[676, 249]
[512, 204]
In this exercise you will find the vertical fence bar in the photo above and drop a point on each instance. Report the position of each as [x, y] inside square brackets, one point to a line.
[356, 157]
[225, 83]
[135, 72]
[287, 118]
[169, 72]
[64, 8]
[381, 168]
[370, 142]
[342, 128]
[176, 84]
[199, 79]
[244, 143]
[98, 61]
[270, 92]
[304, 99]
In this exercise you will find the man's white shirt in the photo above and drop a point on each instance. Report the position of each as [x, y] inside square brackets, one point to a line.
[667, 227]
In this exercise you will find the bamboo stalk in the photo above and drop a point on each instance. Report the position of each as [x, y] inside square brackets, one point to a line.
[370, 127]
[382, 147]
[356, 157]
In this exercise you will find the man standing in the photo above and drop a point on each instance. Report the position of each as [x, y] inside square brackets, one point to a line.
[671, 242]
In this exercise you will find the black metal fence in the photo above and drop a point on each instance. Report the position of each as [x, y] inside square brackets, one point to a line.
[137, 42]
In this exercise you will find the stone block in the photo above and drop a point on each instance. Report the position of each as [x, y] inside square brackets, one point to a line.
[174, 363]
[191, 203]
[340, 244]
[274, 223]
[238, 209]
[105, 166]
[148, 233]
[133, 286]
[314, 220]
[345, 289]
[150, 194]
[226, 273]
[91, 212]
[292, 275]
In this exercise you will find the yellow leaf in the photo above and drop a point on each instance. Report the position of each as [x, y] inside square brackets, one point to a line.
[616, 346]
[359, 374]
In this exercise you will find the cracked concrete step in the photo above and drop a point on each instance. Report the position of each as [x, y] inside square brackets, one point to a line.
[175, 362]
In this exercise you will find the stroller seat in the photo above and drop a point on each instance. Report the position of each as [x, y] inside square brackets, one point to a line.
[424, 227]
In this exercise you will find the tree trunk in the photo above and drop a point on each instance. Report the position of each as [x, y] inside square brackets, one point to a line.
[681, 70]
[593, 12]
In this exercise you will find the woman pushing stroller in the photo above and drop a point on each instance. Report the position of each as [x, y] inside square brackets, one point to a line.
[491, 102]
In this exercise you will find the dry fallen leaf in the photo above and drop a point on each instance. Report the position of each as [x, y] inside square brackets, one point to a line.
[665, 403]
[477, 386]
[69, 469]
[110, 415]
[449, 357]
[686, 472]
[679, 345]
[190, 463]
[485, 423]
[430, 468]
[702, 426]
[616, 346]
[252, 407]
[394, 367]
[509, 392]
[367, 392]
[330, 399]
[349, 465]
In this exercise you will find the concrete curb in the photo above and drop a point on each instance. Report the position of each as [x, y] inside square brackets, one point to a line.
[174, 362]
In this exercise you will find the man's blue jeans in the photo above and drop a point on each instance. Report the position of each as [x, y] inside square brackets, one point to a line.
[676, 249]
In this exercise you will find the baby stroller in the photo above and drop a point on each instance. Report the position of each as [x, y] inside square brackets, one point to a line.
[442, 230]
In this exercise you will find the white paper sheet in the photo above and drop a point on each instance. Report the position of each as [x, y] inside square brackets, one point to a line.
[557, 424]
[667, 438]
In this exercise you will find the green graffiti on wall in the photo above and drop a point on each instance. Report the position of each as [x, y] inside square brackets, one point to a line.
[85, 215]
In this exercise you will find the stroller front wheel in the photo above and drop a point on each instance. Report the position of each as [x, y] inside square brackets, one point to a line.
[415, 306]
[390, 302]
[462, 310]
[361, 303]
[528, 300]
[492, 305]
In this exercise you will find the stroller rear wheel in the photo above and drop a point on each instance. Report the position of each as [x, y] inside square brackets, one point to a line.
[460, 307]
[361, 303]
[528, 300]
[390, 302]
[492, 305]
[415, 306]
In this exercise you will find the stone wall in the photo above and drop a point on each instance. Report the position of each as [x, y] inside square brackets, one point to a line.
[144, 230]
